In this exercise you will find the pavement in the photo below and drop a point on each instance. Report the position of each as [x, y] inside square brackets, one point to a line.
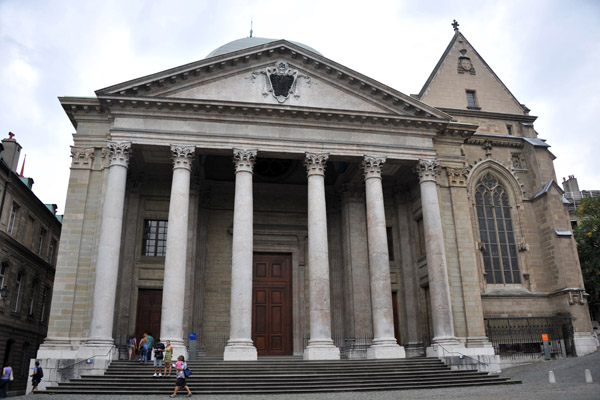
[569, 374]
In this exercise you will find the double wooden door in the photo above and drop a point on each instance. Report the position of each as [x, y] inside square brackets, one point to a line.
[272, 304]
[149, 309]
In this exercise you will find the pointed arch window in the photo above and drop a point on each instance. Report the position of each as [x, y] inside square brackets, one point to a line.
[496, 232]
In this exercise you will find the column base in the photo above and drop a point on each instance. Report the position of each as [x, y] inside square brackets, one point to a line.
[585, 343]
[385, 348]
[242, 350]
[321, 350]
[459, 357]
[64, 359]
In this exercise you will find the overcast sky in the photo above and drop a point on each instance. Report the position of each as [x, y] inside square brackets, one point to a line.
[546, 52]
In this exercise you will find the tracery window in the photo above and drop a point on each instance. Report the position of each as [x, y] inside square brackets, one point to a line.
[496, 232]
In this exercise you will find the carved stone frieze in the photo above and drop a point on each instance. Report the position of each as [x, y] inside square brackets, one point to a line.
[316, 163]
[353, 192]
[281, 81]
[372, 166]
[244, 159]
[183, 156]
[427, 170]
[82, 158]
[457, 176]
[118, 153]
[515, 143]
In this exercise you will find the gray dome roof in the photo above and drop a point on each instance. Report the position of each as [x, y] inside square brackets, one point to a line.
[248, 42]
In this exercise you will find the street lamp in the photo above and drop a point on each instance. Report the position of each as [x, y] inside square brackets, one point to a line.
[4, 292]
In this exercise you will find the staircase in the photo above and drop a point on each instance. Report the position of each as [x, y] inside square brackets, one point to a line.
[280, 375]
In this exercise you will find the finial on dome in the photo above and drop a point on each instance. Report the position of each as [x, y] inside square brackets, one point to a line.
[251, 22]
[455, 25]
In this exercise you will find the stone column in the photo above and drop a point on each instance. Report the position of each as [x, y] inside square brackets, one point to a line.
[320, 346]
[384, 343]
[109, 246]
[173, 301]
[240, 346]
[437, 270]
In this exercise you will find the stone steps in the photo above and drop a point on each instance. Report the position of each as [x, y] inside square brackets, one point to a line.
[290, 375]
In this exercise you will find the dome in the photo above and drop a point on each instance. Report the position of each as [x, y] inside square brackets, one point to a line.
[248, 42]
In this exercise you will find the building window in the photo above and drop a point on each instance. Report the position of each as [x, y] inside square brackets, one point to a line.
[44, 301]
[41, 241]
[155, 238]
[32, 298]
[3, 270]
[496, 231]
[51, 251]
[471, 99]
[13, 217]
[509, 129]
[17, 291]
[390, 242]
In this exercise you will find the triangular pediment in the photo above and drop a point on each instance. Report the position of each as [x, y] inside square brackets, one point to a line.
[460, 70]
[245, 76]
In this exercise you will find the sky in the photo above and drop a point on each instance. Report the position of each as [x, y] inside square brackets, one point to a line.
[546, 52]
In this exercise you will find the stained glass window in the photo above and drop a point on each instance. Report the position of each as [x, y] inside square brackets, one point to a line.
[496, 232]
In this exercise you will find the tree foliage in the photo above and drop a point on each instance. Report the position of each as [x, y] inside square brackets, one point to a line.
[587, 235]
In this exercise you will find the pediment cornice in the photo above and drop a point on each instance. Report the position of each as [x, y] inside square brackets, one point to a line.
[211, 68]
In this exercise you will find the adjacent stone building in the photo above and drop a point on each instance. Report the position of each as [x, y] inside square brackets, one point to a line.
[271, 197]
[29, 234]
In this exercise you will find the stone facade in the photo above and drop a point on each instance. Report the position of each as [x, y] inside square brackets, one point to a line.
[29, 235]
[370, 197]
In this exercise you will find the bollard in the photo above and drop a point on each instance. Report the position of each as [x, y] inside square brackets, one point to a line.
[588, 376]
[551, 377]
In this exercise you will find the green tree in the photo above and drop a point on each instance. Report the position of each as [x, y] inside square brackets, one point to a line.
[587, 235]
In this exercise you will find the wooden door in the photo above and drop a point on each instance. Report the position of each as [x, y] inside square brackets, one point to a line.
[148, 312]
[272, 304]
[395, 311]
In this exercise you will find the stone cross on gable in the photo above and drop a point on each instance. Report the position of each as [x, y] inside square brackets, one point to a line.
[455, 25]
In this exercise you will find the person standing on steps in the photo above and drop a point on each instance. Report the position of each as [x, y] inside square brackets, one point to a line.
[168, 357]
[159, 349]
[180, 383]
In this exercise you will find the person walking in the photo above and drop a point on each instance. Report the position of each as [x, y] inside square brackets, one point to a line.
[143, 348]
[180, 373]
[159, 350]
[132, 345]
[4, 379]
[168, 358]
[150, 340]
[37, 376]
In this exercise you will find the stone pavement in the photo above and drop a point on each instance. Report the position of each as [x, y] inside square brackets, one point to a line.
[569, 374]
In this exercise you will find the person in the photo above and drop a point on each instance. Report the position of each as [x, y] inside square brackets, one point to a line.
[150, 343]
[36, 378]
[168, 357]
[4, 379]
[143, 348]
[180, 374]
[159, 349]
[132, 346]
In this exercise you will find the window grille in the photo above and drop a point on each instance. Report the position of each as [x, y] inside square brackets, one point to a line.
[155, 238]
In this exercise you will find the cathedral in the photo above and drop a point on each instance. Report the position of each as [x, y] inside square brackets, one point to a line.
[268, 201]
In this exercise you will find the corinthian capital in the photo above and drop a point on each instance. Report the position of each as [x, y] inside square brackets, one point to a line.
[83, 158]
[372, 166]
[183, 156]
[118, 153]
[427, 170]
[244, 159]
[315, 163]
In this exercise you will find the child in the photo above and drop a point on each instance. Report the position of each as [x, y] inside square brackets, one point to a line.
[180, 366]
